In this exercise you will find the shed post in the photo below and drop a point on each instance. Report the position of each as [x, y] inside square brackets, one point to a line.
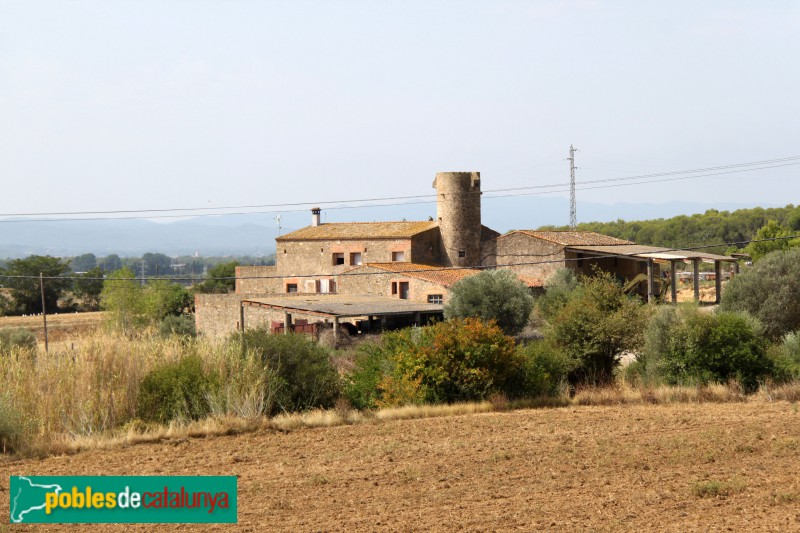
[241, 316]
[696, 268]
[673, 281]
[417, 319]
[287, 323]
[335, 331]
[718, 281]
[383, 323]
[650, 281]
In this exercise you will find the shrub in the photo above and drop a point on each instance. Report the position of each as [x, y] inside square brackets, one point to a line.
[307, 377]
[492, 295]
[706, 348]
[595, 326]
[371, 365]
[770, 291]
[181, 326]
[557, 289]
[786, 358]
[16, 338]
[545, 368]
[176, 390]
[453, 361]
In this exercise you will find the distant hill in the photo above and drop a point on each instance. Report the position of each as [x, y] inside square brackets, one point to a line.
[254, 234]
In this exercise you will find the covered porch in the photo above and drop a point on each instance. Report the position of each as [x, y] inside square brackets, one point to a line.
[651, 255]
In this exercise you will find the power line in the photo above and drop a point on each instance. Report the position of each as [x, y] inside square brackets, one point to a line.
[211, 211]
[417, 271]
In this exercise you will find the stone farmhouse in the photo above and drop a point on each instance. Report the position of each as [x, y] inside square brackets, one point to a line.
[362, 275]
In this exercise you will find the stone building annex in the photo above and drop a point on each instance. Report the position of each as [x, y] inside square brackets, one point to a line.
[366, 275]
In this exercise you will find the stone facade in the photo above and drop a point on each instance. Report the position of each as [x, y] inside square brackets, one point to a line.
[257, 280]
[458, 211]
[378, 282]
[515, 249]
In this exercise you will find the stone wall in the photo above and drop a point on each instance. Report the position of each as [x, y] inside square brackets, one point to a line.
[217, 315]
[260, 280]
[516, 249]
[458, 208]
[374, 281]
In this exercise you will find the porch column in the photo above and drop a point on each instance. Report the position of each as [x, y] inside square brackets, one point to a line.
[335, 331]
[673, 281]
[287, 323]
[718, 284]
[696, 268]
[650, 281]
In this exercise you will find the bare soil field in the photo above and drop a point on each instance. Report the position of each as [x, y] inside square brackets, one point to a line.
[60, 327]
[687, 467]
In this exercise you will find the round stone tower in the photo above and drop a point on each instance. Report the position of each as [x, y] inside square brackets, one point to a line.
[458, 208]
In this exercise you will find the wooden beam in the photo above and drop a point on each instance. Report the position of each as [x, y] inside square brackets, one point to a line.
[718, 281]
[673, 281]
[651, 291]
[696, 271]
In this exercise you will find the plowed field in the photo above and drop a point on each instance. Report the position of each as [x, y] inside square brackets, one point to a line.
[689, 467]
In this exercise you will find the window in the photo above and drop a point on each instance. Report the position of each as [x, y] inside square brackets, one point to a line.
[291, 287]
[402, 288]
[338, 259]
[435, 299]
[394, 287]
[310, 285]
[355, 258]
[462, 253]
[326, 286]
[398, 256]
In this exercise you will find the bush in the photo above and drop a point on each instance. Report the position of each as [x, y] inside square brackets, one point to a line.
[371, 365]
[595, 326]
[492, 295]
[557, 289]
[786, 358]
[453, 361]
[770, 291]
[181, 326]
[175, 391]
[706, 348]
[307, 377]
[11, 338]
[545, 369]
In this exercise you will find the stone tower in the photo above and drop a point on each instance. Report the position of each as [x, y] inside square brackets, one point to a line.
[458, 208]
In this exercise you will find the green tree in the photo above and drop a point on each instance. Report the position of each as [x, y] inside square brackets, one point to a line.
[157, 264]
[162, 298]
[772, 230]
[110, 263]
[557, 289]
[87, 287]
[770, 291]
[221, 279]
[22, 277]
[83, 263]
[492, 295]
[596, 325]
[122, 299]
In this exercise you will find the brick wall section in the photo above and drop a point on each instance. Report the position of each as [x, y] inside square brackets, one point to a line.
[264, 285]
[517, 248]
[379, 283]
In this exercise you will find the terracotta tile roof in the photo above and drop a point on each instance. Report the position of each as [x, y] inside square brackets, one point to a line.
[435, 274]
[359, 230]
[530, 281]
[574, 238]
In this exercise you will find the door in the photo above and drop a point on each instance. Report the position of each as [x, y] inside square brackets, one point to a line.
[404, 290]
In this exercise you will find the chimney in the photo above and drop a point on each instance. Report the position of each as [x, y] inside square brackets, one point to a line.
[315, 216]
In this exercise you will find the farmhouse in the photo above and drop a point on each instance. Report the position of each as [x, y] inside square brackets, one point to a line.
[360, 275]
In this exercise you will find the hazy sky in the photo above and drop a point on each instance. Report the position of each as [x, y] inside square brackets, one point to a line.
[178, 103]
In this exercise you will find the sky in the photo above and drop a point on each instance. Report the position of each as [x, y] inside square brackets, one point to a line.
[127, 105]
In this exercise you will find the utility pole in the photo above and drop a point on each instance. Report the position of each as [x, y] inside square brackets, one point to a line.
[44, 313]
[573, 212]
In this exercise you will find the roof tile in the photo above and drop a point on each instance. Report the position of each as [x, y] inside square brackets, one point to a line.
[574, 238]
[359, 230]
